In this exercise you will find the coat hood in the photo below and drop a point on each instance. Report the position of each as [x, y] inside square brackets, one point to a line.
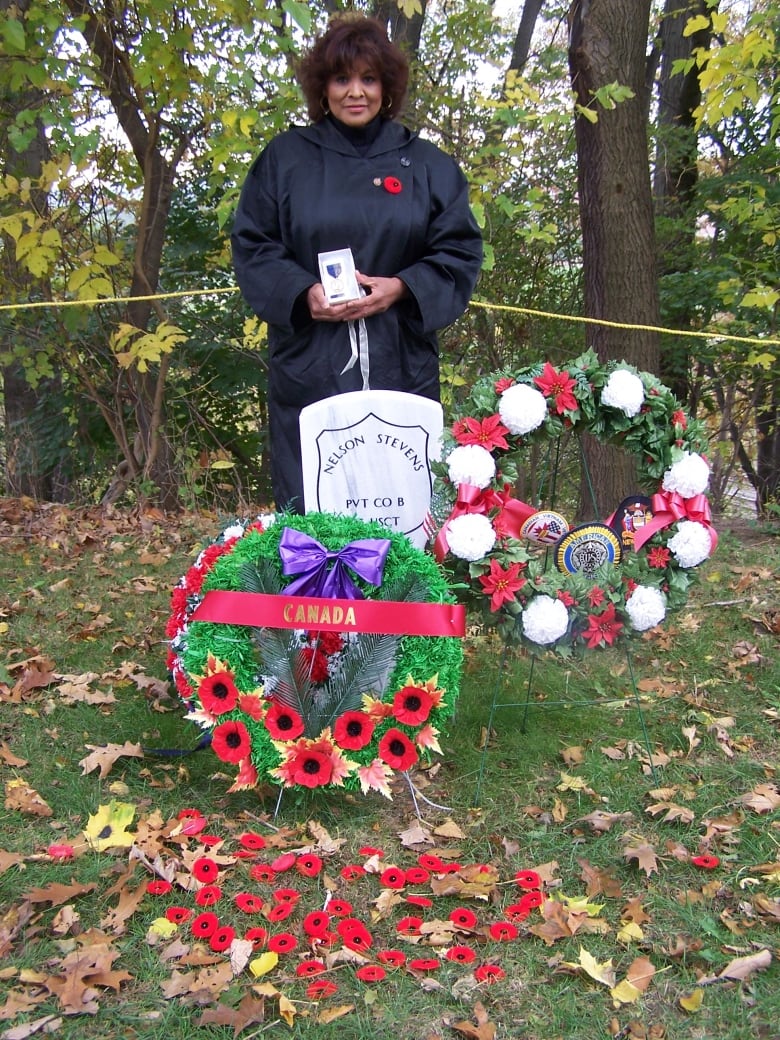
[391, 136]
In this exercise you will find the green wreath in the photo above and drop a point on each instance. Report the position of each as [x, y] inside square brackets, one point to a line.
[518, 564]
[309, 707]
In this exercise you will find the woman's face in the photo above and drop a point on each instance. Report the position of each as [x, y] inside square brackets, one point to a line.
[354, 97]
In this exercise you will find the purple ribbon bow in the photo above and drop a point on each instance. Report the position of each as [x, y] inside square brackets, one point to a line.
[304, 556]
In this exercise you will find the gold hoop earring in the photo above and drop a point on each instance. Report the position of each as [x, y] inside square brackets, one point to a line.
[387, 105]
[324, 106]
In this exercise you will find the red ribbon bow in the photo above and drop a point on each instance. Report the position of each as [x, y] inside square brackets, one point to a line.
[668, 507]
[471, 499]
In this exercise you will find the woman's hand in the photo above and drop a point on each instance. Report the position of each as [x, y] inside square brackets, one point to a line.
[381, 294]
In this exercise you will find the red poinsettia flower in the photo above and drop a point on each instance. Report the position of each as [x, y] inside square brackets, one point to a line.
[257, 936]
[489, 973]
[502, 583]
[490, 433]
[424, 964]
[205, 869]
[705, 861]
[528, 880]
[393, 877]
[231, 741]
[208, 895]
[308, 865]
[284, 942]
[371, 973]
[393, 185]
[178, 914]
[602, 628]
[316, 664]
[461, 954]
[503, 384]
[392, 958]
[248, 902]
[283, 723]
[251, 840]
[320, 989]
[397, 750]
[566, 598]
[412, 705]
[503, 931]
[409, 925]
[339, 908]
[558, 385]
[464, 918]
[306, 969]
[680, 419]
[159, 887]
[353, 730]
[262, 872]
[658, 556]
[204, 925]
[221, 938]
[316, 923]
[596, 596]
[218, 693]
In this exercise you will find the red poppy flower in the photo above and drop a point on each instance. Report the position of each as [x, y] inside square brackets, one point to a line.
[210, 839]
[422, 901]
[352, 872]
[283, 723]
[208, 895]
[425, 964]
[325, 939]
[450, 868]
[705, 861]
[339, 908]
[397, 750]
[178, 914]
[249, 902]
[353, 730]
[517, 911]
[392, 958]
[61, 851]
[306, 969]
[284, 942]
[263, 872]
[349, 924]
[532, 900]
[284, 862]
[158, 887]
[430, 862]
[256, 936]
[320, 989]
[308, 865]
[280, 912]
[503, 931]
[286, 895]
[371, 850]
[355, 937]
[218, 693]
[412, 705]
[502, 583]
[308, 767]
[190, 814]
[316, 923]
[393, 185]
[464, 918]
[251, 840]
[461, 954]
[528, 880]
[409, 925]
[205, 869]
[221, 938]
[417, 876]
[393, 877]
[371, 973]
[231, 741]
[489, 973]
[559, 386]
[204, 925]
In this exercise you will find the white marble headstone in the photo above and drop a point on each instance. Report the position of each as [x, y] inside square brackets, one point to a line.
[368, 454]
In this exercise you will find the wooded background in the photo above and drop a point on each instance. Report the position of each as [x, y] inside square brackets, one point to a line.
[623, 160]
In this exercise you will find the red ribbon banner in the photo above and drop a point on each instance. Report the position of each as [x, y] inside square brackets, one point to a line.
[332, 615]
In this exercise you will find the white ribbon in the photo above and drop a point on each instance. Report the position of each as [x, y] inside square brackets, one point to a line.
[358, 342]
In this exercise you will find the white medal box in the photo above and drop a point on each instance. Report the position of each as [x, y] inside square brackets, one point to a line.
[368, 454]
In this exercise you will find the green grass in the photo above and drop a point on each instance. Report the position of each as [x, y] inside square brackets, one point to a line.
[85, 594]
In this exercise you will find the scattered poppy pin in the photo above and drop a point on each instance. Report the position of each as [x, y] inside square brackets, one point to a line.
[706, 862]
[393, 185]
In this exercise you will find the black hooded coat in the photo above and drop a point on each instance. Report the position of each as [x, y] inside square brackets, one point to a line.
[401, 205]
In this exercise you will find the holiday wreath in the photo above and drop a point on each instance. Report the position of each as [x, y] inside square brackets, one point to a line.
[541, 594]
[311, 699]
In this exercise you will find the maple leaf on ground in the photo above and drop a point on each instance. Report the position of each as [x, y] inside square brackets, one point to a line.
[672, 812]
[603, 972]
[740, 968]
[9, 758]
[21, 797]
[249, 1011]
[104, 756]
[599, 881]
[645, 856]
[57, 893]
[762, 799]
[601, 821]
[484, 1028]
[471, 882]
[12, 922]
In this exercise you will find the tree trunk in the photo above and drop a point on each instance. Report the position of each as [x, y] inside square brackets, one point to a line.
[676, 175]
[607, 45]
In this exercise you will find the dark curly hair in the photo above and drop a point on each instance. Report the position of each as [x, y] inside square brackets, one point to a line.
[348, 41]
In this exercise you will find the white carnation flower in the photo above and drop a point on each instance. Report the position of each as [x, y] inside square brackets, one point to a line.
[646, 607]
[471, 464]
[470, 537]
[688, 476]
[625, 391]
[522, 408]
[234, 531]
[545, 619]
[691, 544]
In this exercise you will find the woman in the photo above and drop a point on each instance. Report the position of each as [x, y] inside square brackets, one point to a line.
[357, 179]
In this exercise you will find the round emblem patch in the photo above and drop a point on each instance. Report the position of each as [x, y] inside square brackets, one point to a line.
[544, 527]
[586, 548]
